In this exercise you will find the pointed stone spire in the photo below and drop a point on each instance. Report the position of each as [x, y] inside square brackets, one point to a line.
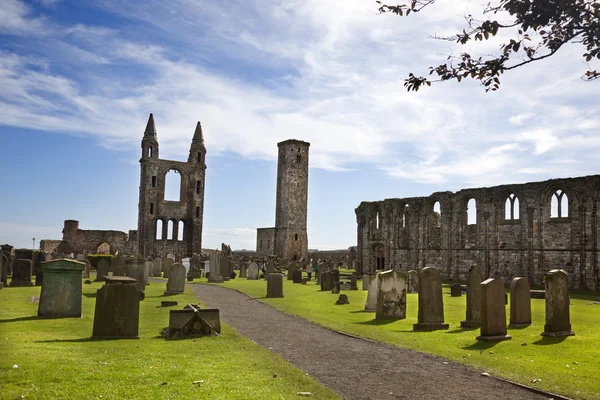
[150, 127]
[198, 136]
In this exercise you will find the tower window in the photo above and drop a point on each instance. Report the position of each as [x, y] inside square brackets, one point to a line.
[296, 237]
[150, 151]
[154, 181]
[198, 186]
[198, 156]
[298, 159]
[151, 208]
[197, 212]
[260, 244]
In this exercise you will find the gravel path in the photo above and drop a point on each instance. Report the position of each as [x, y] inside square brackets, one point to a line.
[353, 368]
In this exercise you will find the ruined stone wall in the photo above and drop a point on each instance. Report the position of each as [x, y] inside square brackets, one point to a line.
[518, 231]
[49, 246]
[265, 241]
[77, 240]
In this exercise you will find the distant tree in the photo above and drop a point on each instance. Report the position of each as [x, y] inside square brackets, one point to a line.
[539, 29]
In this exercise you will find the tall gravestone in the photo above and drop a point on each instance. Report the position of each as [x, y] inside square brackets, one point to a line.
[474, 279]
[118, 265]
[371, 304]
[144, 272]
[157, 267]
[391, 295]
[520, 303]
[40, 257]
[493, 311]
[413, 281]
[327, 281]
[270, 267]
[86, 269]
[431, 302]
[253, 272]
[291, 271]
[132, 265]
[167, 264]
[558, 319]
[102, 270]
[117, 312]
[21, 275]
[365, 282]
[274, 285]
[61, 293]
[243, 270]
[297, 276]
[215, 269]
[176, 282]
[455, 290]
[353, 283]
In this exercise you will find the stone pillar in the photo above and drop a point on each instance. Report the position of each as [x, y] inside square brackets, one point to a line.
[493, 311]
[473, 317]
[22, 273]
[391, 295]
[558, 319]
[274, 285]
[431, 302]
[520, 303]
[61, 289]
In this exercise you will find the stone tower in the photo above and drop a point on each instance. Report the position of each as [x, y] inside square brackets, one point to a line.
[288, 239]
[160, 220]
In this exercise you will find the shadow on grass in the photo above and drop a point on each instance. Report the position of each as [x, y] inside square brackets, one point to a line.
[91, 295]
[376, 322]
[517, 328]
[480, 345]
[361, 311]
[30, 318]
[548, 340]
[461, 330]
[80, 340]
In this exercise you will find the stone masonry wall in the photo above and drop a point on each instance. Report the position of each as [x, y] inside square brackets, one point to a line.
[518, 231]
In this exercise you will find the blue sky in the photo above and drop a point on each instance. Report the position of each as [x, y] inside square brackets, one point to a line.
[79, 79]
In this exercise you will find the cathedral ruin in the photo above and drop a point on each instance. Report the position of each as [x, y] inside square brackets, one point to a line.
[512, 230]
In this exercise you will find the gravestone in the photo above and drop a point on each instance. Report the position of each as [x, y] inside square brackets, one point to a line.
[215, 268]
[473, 317]
[157, 267]
[365, 282]
[117, 312]
[195, 267]
[101, 270]
[336, 275]
[493, 311]
[520, 303]
[253, 271]
[37, 268]
[371, 304]
[172, 257]
[243, 270]
[167, 264]
[144, 272]
[343, 299]
[270, 267]
[21, 275]
[327, 281]
[118, 265]
[391, 295]
[86, 269]
[353, 284]
[61, 294]
[132, 265]
[3, 269]
[274, 285]
[558, 319]
[431, 302]
[298, 276]
[291, 271]
[413, 281]
[80, 257]
[225, 267]
[176, 282]
[336, 287]
[455, 290]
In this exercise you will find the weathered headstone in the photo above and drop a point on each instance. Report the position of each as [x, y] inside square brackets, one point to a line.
[253, 271]
[520, 303]
[336, 275]
[371, 304]
[327, 281]
[225, 267]
[157, 267]
[86, 269]
[167, 264]
[61, 294]
[102, 270]
[3, 269]
[195, 270]
[270, 267]
[243, 270]
[493, 311]
[343, 299]
[413, 281]
[274, 285]
[80, 257]
[291, 271]
[353, 284]
[132, 265]
[117, 312]
[176, 282]
[118, 265]
[298, 276]
[365, 282]
[172, 257]
[431, 302]
[336, 287]
[144, 272]
[391, 295]
[21, 275]
[40, 257]
[558, 319]
[455, 290]
[473, 317]
[215, 269]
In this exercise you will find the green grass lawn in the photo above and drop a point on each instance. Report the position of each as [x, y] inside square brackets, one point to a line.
[56, 358]
[567, 366]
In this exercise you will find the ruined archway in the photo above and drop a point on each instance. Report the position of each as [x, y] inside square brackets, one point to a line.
[379, 257]
[103, 248]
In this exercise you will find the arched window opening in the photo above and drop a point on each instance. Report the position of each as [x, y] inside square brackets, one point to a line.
[151, 208]
[472, 212]
[404, 220]
[180, 231]
[150, 151]
[296, 237]
[154, 181]
[197, 212]
[170, 229]
[260, 244]
[377, 220]
[511, 207]
[159, 229]
[559, 205]
[298, 159]
[173, 185]
[198, 156]
[437, 214]
[198, 186]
